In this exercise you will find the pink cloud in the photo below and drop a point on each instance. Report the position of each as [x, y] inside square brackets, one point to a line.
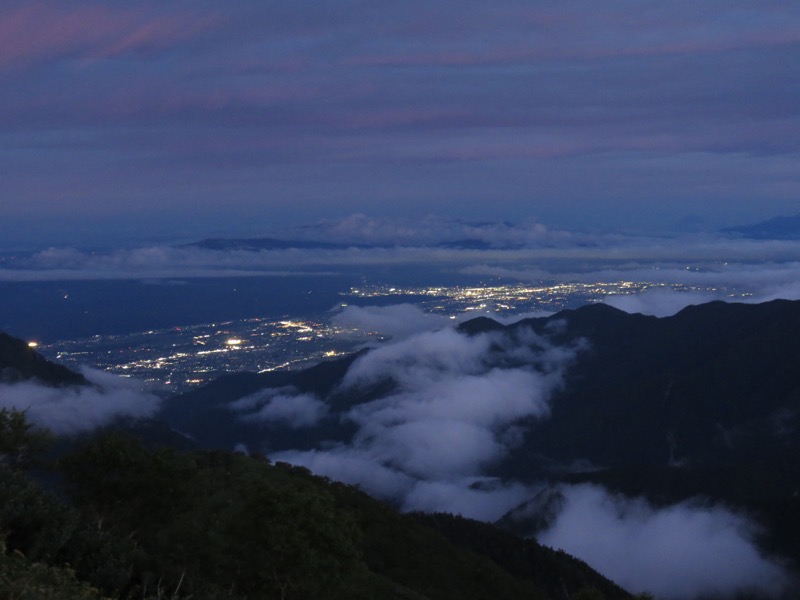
[534, 36]
[398, 117]
[37, 32]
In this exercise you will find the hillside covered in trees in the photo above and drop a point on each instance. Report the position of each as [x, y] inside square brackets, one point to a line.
[111, 518]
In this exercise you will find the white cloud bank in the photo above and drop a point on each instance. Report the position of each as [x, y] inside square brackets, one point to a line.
[680, 552]
[771, 284]
[527, 251]
[658, 302]
[76, 409]
[396, 321]
[454, 410]
[284, 406]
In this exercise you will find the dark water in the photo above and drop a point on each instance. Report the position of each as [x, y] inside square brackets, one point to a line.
[49, 311]
[63, 310]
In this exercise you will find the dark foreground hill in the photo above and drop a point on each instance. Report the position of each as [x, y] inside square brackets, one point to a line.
[134, 523]
[19, 362]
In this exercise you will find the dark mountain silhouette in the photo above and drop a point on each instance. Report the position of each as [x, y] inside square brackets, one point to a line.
[205, 415]
[19, 362]
[714, 382]
[480, 325]
[469, 244]
[132, 522]
[703, 403]
[257, 244]
[777, 228]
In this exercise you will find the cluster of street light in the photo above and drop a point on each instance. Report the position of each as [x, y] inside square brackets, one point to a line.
[179, 358]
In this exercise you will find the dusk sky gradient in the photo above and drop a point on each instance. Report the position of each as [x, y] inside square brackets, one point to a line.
[152, 120]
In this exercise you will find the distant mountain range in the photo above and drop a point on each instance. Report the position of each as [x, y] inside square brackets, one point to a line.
[267, 243]
[258, 244]
[778, 228]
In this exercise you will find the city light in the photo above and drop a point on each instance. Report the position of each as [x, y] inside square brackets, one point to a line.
[194, 355]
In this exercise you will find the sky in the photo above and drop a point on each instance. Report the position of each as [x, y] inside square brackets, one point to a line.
[124, 122]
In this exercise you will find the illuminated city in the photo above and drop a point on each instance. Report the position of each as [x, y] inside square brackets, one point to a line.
[178, 358]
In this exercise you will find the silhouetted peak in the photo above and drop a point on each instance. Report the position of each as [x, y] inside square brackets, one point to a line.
[480, 325]
[19, 362]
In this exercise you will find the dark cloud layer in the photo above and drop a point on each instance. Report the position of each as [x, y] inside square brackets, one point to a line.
[196, 115]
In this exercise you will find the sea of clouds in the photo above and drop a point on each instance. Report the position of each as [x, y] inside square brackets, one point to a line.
[526, 252]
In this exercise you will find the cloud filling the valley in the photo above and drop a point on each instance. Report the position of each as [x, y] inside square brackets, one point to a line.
[453, 411]
[450, 406]
[658, 302]
[679, 552]
[396, 320]
[284, 406]
[77, 409]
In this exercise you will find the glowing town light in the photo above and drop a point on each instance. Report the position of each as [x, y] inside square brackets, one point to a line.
[233, 342]
[33, 344]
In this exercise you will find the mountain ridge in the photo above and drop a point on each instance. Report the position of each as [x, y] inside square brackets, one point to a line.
[707, 399]
[20, 362]
[271, 243]
[777, 228]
